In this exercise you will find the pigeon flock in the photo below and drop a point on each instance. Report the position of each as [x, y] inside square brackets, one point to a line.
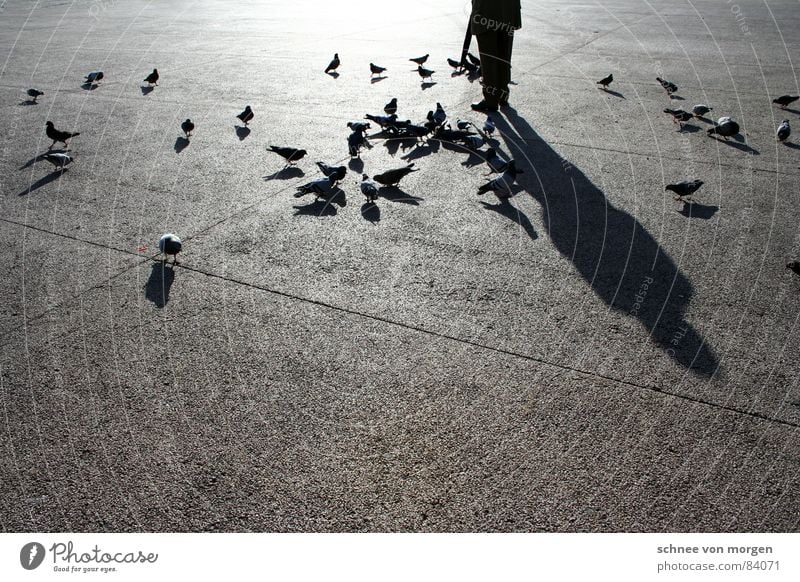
[436, 126]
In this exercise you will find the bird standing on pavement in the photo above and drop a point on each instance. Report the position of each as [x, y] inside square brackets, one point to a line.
[495, 161]
[391, 106]
[35, 94]
[246, 116]
[489, 125]
[784, 131]
[420, 60]
[393, 177]
[700, 110]
[439, 116]
[684, 189]
[187, 127]
[369, 188]
[668, 86]
[679, 115]
[375, 69]
[503, 183]
[335, 173]
[606, 81]
[170, 244]
[361, 126]
[58, 159]
[334, 64]
[291, 155]
[785, 100]
[725, 127]
[58, 136]
[94, 77]
[152, 78]
[355, 141]
[424, 73]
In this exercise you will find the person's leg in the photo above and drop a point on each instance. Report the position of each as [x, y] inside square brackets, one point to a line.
[505, 44]
[491, 60]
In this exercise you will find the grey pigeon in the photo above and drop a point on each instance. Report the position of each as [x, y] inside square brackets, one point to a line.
[334, 64]
[725, 127]
[424, 73]
[152, 78]
[473, 59]
[361, 126]
[454, 63]
[369, 188]
[58, 136]
[291, 155]
[606, 81]
[701, 109]
[355, 141]
[785, 100]
[170, 244]
[187, 127]
[375, 69]
[420, 60]
[246, 116]
[35, 94]
[489, 126]
[94, 77]
[320, 187]
[784, 131]
[335, 173]
[381, 120]
[502, 184]
[439, 116]
[390, 107]
[393, 177]
[474, 142]
[678, 115]
[684, 189]
[58, 159]
[496, 161]
[464, 125]
[668, 86]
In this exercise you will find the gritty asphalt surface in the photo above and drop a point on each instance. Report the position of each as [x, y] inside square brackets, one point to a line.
[590, 356]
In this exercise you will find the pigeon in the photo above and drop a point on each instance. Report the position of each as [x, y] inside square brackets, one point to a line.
[439, 116]
[375, 69]
[391, 106]
[489, 126]
[152, 78]
[381, 120]
[187, 127]
[415, 131]
[393, 177]
[471, 68]
[794, 266]
[169, 244]
[474, 142]
[420, 60]
[334, 173]
[502, 184]
[58, 159]
[725, 127]
[463, 125]
[606, 81]
[473, 59]
[424, 73]
[700, 110]
[454, 63]
[247, 115]
[496, 161]
[291, 155]
[669, 87]
[355, 141]
[361, 126]
[785, 100]
[320, 187]
[784, 130]
[94, 77]
[35, 94]
[334, 64]
[684, 189]
[452, 135]
[369, 188]
[679, 115]
[58, 136]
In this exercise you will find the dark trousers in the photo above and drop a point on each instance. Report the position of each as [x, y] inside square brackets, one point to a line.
[495, 50]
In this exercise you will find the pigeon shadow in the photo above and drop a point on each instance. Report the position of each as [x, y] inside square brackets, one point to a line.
[427, 84]
[677, 98]
[356, 165]
[159, 283]
[371, 212]
[739, 146]
[795, 111]
[89, 86]
[514, 214]
[609, 248]
[286, 173]
[393, 144]
[40, 157]
[54, 175]
[697, 210]
[181, 143]
[241, 131]
[333, 74]
[29, 102]
[374, 80]
[614, 93]
[474, 159]
[146, 90]
[791, 145]
[426, 149]
[318, 207]
[689, 128]
[395, 194]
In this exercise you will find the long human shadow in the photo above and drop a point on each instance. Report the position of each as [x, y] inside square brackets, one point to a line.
[158, 285]
[617, 257]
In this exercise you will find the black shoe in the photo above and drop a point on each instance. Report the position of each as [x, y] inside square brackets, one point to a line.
[484, 107]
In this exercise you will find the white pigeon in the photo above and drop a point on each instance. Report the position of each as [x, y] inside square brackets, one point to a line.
[784, 130]
[59, 160]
